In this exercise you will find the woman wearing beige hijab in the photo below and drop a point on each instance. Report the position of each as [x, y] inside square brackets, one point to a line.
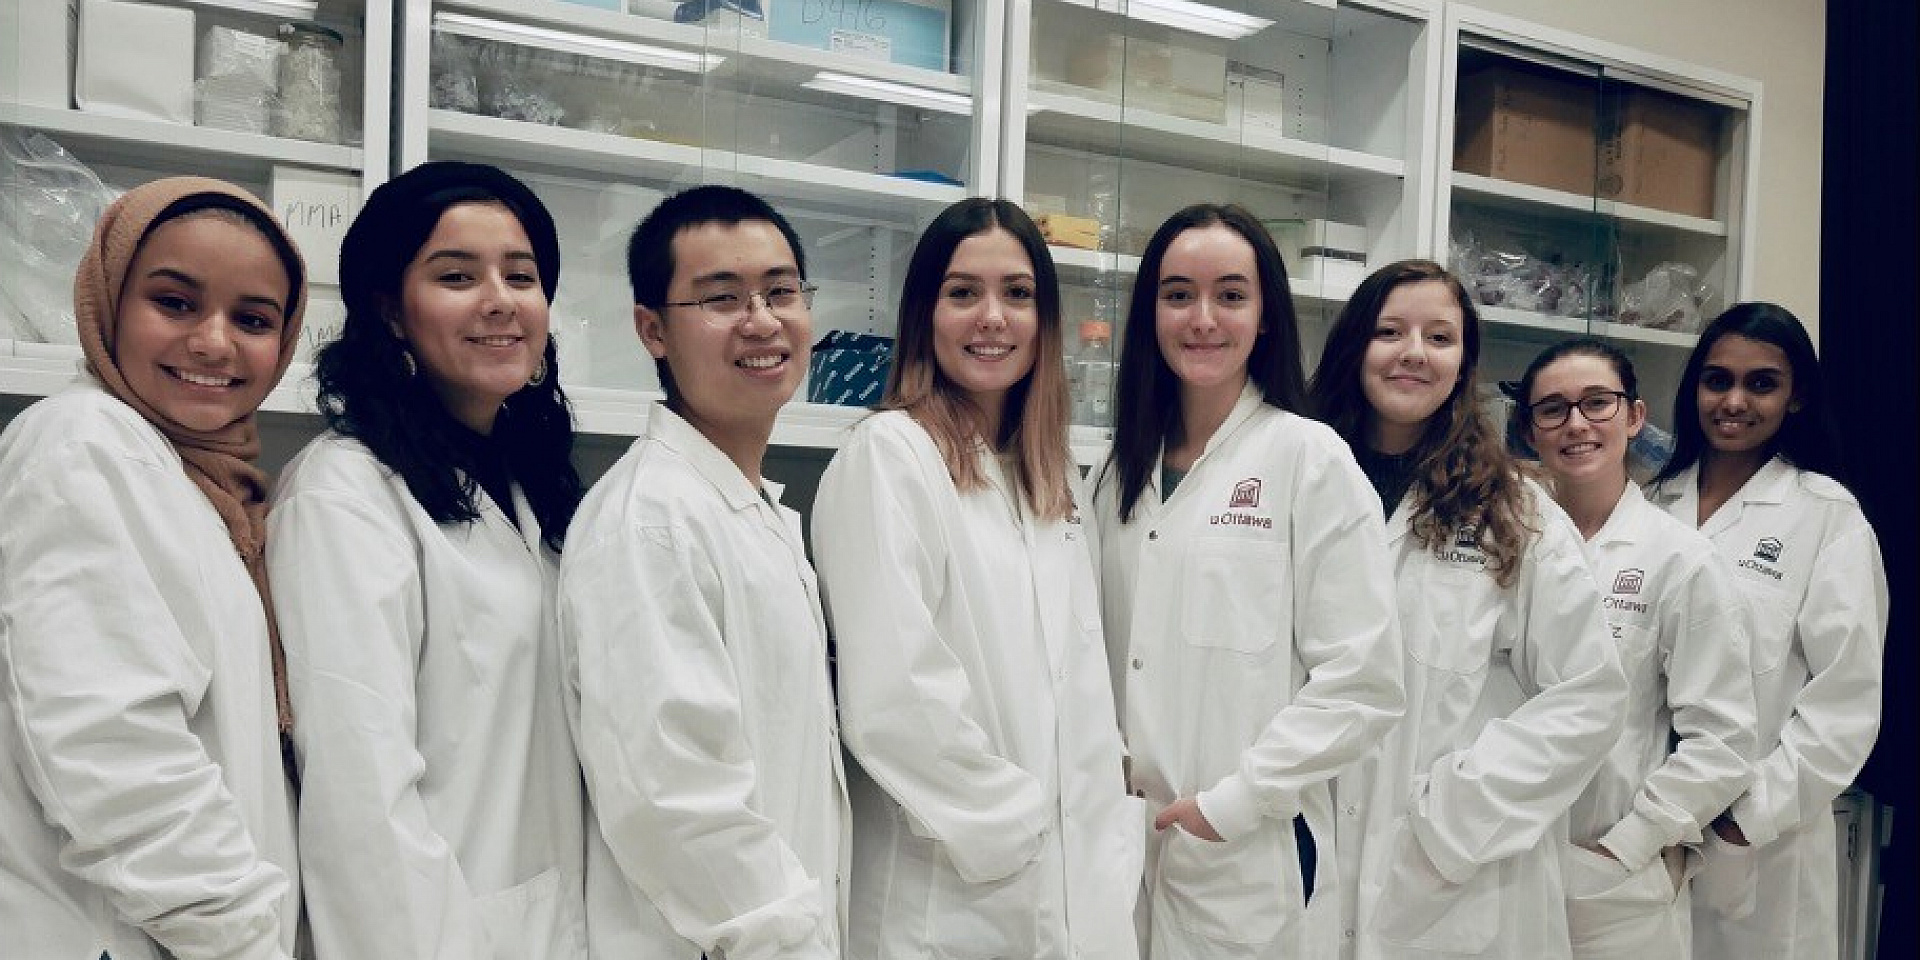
[144, 809]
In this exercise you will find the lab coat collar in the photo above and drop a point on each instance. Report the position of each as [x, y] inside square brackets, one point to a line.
[1250, 402]
[1625, 520]
[672, 431]
[1681, 494]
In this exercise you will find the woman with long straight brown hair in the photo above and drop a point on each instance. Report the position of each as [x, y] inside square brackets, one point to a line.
[1449, 835]
[1248, 596]
[990, 816]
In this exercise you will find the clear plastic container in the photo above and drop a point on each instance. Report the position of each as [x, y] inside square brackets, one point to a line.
[309, 83]
[1093, 396]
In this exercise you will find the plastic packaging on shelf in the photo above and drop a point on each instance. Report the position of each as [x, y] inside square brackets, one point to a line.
[236, 79]
[456, 76]
[849, 368]
[49, 203]
[1520, 281]
[1668, 298]
[309, 83]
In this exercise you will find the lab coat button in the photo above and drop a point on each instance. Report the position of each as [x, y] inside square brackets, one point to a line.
[1348, 934]
[1352, 811]
[1137, 664]
[1153, 534]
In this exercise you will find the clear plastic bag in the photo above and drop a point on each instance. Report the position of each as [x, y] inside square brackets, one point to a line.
[49, 203]
[1668, 298]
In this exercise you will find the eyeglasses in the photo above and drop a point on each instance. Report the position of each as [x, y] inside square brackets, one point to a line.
[1598, 407]
[727, 308]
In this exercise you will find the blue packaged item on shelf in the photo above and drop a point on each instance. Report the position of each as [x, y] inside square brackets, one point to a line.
[908, 32]
[849, 369]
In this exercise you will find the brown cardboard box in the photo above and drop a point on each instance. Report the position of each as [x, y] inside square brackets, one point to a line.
[1069, 231]
[1528, 125]
[1663, 153]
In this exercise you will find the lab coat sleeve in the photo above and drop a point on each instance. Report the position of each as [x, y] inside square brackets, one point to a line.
[1500, 795]
[1708, 666]
[381, 879]
[1347, 635]
[907, 711]
[101, 684]
[664, 745]
[1841, 625]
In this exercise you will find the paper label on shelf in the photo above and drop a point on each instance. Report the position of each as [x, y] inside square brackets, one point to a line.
[873, 46]
[316, 208]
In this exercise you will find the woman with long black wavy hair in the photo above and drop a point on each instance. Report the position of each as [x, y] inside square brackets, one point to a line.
[416, 564]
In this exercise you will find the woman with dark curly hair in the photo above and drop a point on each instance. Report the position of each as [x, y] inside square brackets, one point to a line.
[1449, 835]
[416, 567]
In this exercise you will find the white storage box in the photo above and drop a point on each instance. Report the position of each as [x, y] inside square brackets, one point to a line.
[135, 60]
[36, 52]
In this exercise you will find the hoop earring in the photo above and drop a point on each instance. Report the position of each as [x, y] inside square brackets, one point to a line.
[407, 363]
[539, 373]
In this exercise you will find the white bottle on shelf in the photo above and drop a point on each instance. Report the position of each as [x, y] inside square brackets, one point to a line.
[1093, 396]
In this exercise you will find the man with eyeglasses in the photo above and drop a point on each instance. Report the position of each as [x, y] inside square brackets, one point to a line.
[691, 623]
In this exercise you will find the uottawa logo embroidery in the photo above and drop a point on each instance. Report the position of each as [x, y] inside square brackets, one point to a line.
[1768, 549]
[1246, 493]
[1628, 581]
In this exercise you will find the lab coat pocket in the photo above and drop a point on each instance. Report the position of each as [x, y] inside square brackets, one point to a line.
[542, 919]
[1772, 622]
[1419, 908]
[1234, 596]
[1611, 909]
[994, 920]
[1729, 878]
[1460, 616]
[1237, 895]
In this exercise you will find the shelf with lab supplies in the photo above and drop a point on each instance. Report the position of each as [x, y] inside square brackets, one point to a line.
[1553, 328]
[518, 143]
[1532, 199]
[1080, 267]
[1313, 16]
[160, 144]
[1067, 120]
[731, 51]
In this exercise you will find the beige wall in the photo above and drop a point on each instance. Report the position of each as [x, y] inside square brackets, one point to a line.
[1782, 44]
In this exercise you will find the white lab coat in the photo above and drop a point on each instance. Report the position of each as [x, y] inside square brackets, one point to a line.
[441, 809]
[146, 812]
[1514, 697]
[1809, 569]
[697, 654]
[991, 817]
[1255, 652]
[1690, 724]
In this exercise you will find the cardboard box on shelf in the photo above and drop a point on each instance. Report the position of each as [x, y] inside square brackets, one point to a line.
[1527, 125]
[908, 32]
[1174, 79]
[1066, 230]
[1663, 152]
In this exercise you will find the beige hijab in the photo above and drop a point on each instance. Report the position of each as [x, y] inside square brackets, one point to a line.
[218, 461]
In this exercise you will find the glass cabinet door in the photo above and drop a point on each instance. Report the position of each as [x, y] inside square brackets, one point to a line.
[858, 119]
[1591, 195]
[285, 98]
[1132, 109]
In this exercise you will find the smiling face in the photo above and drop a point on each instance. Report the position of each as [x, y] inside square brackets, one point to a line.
[197, 335]
[1746, 392]
[472, 311]
[1412, 363]
[1207, 310]
[986, 320]
[1581, 451]
[730, 376]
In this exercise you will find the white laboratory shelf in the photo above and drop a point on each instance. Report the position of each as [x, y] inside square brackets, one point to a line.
[166, 145]
[1086, 267]
[516, 143]
[1524, 321]
[1528, 198]
[1068, 120]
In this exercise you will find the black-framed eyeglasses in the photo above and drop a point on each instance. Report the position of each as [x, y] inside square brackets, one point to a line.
[1598, 407]
[727, 308]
